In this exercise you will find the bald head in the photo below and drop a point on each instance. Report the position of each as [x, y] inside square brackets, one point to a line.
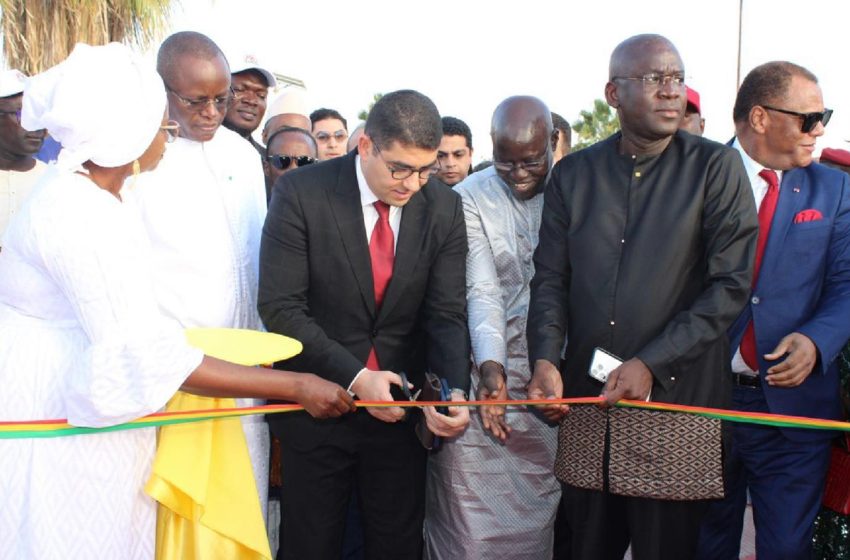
[181, 46]
[628, 55]
[197, 77]
[520, 119]
[523, 141]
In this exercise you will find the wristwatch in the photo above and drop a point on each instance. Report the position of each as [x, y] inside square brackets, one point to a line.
[460, 392]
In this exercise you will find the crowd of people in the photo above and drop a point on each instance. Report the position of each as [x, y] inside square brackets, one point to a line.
[714, 275]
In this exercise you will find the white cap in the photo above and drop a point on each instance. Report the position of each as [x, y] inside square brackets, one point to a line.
[292, 100]
[12, 82]
[242, 62]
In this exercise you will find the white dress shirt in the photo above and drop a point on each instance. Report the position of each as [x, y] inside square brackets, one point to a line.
[370, 214]
[760, 187]
[370, 218]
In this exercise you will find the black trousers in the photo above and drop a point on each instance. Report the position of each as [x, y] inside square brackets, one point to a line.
[386, 461]
[603, 525]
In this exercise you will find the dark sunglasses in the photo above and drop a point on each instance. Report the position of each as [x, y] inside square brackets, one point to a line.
[283, 162]
[810, 120]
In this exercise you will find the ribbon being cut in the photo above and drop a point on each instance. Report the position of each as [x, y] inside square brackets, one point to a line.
[202, 474]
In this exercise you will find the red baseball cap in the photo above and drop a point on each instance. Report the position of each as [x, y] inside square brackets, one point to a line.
[834, 155]
[693, 99]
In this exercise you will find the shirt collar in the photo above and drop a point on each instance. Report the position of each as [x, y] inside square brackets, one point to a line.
[751, 166]
[367, 197]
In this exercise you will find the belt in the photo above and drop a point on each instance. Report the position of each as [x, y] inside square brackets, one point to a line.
[747, 380]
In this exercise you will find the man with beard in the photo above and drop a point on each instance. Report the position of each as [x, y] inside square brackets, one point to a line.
[250, 85]
[500, 470]
[646, 250]
[19, 170]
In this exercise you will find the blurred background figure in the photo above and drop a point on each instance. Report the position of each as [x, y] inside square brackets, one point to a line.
[288, 109]
[250, 84]
[455, 152]
[330, 130]
[692, 121]
[289, 148]
[565, 136]
[19, 169]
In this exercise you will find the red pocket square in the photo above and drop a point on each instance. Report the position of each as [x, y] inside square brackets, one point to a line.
[809, 215]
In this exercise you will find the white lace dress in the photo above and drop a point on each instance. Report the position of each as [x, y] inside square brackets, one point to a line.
[81, 338]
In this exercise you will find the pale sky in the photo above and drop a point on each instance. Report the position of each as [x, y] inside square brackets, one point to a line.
[468, 56]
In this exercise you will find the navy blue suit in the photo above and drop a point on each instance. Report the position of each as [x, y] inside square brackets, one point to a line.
[804, 287]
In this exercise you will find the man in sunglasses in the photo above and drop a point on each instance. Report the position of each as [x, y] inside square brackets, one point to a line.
[289, 148]
[785, 342]
[363, 260]
[203, 208]
[19, 170]
[330, 130]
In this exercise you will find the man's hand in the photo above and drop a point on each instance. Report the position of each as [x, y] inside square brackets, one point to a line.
[449, 425]
[793, 370]
[375, 386]
[322, 398]
[631, 380]
[493, 385]
[546, 383]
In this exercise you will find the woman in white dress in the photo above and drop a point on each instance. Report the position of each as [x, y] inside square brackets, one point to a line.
[80, 334]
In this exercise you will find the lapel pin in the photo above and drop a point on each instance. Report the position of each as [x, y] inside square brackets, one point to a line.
[796, 189]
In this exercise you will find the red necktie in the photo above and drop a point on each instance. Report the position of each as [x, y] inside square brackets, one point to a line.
[383, 255]
[766, 211]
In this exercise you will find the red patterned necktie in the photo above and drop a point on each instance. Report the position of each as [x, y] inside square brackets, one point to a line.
[382, 253]
[766, 211]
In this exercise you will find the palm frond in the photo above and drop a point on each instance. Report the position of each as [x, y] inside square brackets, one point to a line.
[38, 34]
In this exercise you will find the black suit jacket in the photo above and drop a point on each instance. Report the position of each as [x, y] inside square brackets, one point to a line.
[316, 279]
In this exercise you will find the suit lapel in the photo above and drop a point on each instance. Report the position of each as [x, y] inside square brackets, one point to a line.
[793, 193]
[348, 213]
[407, 251]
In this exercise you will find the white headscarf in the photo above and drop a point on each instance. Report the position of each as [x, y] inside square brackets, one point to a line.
[102, 104]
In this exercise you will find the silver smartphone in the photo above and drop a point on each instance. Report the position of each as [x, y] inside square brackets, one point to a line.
[602, 364]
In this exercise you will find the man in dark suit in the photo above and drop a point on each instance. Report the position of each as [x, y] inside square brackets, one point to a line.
[796, 322]
[363, 260]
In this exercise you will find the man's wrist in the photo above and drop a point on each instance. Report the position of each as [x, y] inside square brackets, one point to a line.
[353, 381]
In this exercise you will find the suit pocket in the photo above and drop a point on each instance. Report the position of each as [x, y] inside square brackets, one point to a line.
[814, 225]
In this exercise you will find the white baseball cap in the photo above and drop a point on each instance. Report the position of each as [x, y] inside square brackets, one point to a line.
[12, 82]
[243, 62]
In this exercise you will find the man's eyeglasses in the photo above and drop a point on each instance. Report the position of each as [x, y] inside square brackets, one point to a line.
[810, 120]
[339, 136]
[17, 114]
[530, 166]
[656, 81]
[283, 162]
[198, 105]
[172, 129]
[401, 173]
